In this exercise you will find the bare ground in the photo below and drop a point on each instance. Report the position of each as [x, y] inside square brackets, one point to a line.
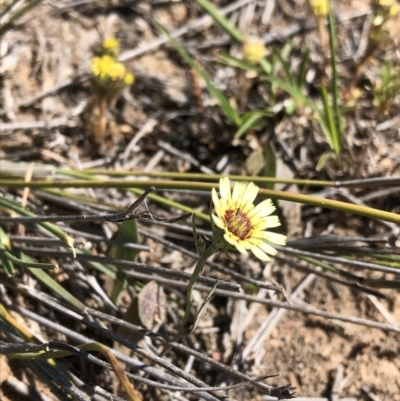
[53, 45]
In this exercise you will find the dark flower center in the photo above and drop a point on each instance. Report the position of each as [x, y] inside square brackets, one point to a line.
[238, 223]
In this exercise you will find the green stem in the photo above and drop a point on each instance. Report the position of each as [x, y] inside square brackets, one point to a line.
[161, 184]
[183, 328]
[189, 291]
[335, 80]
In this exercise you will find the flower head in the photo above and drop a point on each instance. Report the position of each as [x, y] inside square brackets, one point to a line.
[107, 68]
[320, 8]
[253, 50]
[243, 224]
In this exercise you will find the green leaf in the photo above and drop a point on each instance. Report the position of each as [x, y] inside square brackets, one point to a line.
[266, 66]
[6, 262]
[127, 233]
[250, 120]
[5, 246]
[50, 283]
[53, 229]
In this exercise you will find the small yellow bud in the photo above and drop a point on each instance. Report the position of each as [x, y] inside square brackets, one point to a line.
[394, 10]
[129, 79]
[253, 50]
[110, 46]
[320, 8]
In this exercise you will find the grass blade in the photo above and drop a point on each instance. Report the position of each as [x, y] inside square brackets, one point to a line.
[228, 110]
[334, 85]
[221, 20]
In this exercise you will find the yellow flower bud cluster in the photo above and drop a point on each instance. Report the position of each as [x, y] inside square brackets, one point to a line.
[106, 69]
[253, 50]
[320, 8]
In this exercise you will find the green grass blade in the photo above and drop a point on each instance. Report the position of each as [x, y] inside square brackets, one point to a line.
[53, 229]
[221, 20]
[228, 110]
[18, 14]
[249, 120]
[234, 62]
[332, 136]
[49, 282]
[335, 80]
[281, 62]
[266, 66]
[301, 76]
[19, 262]
[5, 246]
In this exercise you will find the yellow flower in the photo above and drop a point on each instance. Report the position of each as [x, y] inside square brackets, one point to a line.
[244, 224]
[107, 68]
[394, 10]
[253, 50]
[111, 44]
[383, 9]
[385, 3]
[320, 8]
[129, 79]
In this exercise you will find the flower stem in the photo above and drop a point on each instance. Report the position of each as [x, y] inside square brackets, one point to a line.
[183, 328]
[189, 291]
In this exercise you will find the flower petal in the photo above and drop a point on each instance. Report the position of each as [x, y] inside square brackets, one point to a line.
[238, 191]
[272, 221]
[241, 249]
[265, 208]
[260, 254]
[225, 187]
[248, 208]
[275, 238]
[223, 207]
[267, 248]
[250, 193]
[218, 222]
[215, 198]
[230, 239]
